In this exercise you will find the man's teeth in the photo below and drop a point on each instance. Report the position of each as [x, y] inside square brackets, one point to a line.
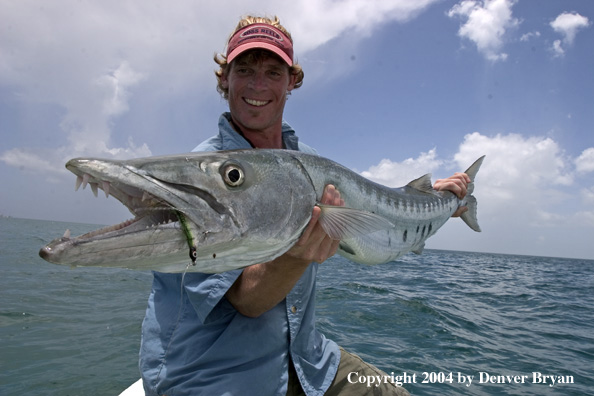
[255, 102]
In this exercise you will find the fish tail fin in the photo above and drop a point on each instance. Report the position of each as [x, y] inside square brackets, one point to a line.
[472, 171]
[469, 217]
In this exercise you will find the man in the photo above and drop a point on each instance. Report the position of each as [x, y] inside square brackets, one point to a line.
[252, 331]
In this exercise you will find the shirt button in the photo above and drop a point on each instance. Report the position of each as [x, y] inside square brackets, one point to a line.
[294, 309]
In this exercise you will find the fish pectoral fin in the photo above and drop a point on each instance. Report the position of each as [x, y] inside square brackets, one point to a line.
[419, 250]
[342, 223]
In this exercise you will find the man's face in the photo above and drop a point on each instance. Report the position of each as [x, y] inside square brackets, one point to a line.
[257, 92]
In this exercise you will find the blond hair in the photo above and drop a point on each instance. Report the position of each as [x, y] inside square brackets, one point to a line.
[221, 59]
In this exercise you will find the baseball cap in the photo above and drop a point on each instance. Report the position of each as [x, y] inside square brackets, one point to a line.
[260, 36]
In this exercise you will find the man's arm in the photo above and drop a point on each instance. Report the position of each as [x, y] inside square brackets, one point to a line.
[262, 286]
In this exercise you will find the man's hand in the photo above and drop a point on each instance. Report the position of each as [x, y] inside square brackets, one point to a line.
[457, 184]
[315, 244]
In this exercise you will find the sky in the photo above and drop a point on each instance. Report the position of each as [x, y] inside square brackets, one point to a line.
[393, 90]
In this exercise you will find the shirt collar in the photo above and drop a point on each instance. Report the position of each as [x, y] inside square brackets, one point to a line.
[233, 139]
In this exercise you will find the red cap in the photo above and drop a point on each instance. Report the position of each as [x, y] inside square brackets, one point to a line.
[260, 36]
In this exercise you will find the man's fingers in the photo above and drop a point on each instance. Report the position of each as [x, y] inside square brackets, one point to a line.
[331, 196]
[460, 211]
[315, 215]
[457, 184]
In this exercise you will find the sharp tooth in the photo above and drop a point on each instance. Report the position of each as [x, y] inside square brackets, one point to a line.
[94, 188]
[106, 188]
[145, 196]
[85, 180]
[67, 234]
[79, 181]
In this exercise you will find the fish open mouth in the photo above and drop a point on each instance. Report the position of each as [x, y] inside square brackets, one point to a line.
[149, 211]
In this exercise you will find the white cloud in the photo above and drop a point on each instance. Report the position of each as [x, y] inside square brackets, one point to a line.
[486, 24]
[567, 24]
[526, 177]
[517, 161]
[320, 21]
[28, 161]
[557, 49]
[528, 36]
[396, 174]
[116, 86]
[585, 162]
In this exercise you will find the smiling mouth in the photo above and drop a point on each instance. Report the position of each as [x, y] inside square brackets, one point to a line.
[255, 102]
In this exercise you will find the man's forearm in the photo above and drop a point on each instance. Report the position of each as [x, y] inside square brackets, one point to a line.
[262, 286]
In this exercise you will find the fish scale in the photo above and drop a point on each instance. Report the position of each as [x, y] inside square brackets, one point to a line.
[242, 207]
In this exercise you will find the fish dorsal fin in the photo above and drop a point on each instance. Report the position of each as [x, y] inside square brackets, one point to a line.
[343, 223]
[422, 184]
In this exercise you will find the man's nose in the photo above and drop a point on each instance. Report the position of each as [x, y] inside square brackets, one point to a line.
[257, 82]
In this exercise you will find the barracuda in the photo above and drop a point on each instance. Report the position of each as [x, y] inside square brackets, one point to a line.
[237, 208]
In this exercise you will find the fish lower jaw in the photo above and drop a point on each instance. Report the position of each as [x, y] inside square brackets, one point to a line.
[134, 225]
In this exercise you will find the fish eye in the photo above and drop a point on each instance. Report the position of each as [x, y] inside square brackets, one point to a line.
[233, 175]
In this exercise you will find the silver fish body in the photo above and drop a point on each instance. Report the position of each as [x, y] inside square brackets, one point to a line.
[243, 207]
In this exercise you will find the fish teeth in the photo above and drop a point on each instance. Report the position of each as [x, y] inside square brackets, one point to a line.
[106, 188]
[79, 181]
[85, 180]
[67, 234]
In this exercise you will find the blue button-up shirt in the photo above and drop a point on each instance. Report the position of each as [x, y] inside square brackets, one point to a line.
[194, 342]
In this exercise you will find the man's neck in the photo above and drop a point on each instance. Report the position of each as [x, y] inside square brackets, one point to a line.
[261, 139]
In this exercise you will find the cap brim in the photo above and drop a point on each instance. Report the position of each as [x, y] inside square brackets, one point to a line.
[247, 46]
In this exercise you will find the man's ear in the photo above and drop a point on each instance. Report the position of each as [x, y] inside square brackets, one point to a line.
[224, 80]
[292, 81]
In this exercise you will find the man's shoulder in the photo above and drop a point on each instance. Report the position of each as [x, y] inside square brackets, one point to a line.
[213, 143]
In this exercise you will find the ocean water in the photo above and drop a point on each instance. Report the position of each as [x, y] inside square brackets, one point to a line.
[435, 321]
